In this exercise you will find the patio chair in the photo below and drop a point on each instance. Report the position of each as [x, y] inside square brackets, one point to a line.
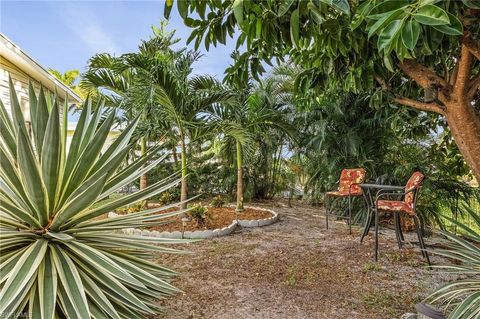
[348, 187]
[407, 206]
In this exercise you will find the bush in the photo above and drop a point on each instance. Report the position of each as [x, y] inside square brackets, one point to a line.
[217, 201]
[200, 214]
[58, 260]
[462, 297]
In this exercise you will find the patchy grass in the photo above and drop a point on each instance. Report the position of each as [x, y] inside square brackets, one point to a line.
[371, 266]
[389, 302]
[285, 271]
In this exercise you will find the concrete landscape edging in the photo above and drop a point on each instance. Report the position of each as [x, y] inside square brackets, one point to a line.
[203, 234]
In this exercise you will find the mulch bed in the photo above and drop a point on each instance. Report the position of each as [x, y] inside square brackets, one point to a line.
[218, 218]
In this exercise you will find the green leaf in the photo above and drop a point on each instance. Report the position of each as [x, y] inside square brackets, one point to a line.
[47, 287]
[389, 34]
[386, 7]
[455, 27]
[474, 4]
[182, 7]
[167, 9]
[284, 7]
[51, 155]
[383, 21]
[7, 132]
[295, 28]
[30, 175]
[431, 15]
[33, 103]
[41, 121]
[237, 8]
[17, 114]
[341, 5]
[410, 34]
[22, 273]
[71, 282]
[388, 63]
[79, 203]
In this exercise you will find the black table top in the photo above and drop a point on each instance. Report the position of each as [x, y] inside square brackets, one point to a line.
[385, 187]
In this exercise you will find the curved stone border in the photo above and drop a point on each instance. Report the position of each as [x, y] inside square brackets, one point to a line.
[259, 222]
[204, 234]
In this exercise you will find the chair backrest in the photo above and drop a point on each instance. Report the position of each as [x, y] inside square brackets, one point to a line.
[351, 176]
[413, 182]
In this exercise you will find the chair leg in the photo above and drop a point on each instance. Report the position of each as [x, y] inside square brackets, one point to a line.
[397, 230]
[326, 210]
[368, 224]
[400, 228]
[420, 238]
[376, 234]
[350, 215]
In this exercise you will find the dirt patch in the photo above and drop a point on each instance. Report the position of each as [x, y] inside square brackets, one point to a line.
[216, 218]
[297, 269]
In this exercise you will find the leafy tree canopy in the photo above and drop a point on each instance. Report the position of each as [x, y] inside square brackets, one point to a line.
[422, 53]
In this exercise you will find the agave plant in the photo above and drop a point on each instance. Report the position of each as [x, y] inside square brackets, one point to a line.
[58, 258]
[462, 297]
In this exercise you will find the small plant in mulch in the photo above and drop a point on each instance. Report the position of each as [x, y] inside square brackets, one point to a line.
[199, 214]
[217, 202]
[168, 197]
[129, 209]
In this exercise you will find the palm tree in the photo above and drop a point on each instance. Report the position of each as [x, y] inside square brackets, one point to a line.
[246, 118]
[70, 78]
[155, 82]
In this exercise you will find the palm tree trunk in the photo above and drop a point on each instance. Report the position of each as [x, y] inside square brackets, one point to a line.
[175, 157]
[184, 191]
[143, 178]
[239, 178]
[143, 150]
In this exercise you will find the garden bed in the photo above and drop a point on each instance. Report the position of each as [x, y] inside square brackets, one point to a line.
[218, 218]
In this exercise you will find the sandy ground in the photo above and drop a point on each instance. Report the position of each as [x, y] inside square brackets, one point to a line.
[298, 269]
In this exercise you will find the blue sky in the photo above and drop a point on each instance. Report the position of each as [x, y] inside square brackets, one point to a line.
[63, 35]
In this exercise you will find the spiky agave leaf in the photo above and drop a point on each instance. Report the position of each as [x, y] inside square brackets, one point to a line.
[462, 297]
[59, 260]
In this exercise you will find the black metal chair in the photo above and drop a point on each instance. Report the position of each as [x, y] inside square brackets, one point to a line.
[406, 206]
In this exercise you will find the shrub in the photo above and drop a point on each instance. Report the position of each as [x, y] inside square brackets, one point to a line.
[217, 201]
[462, 297]
[169, 196]
[58, 259]
[200, 214]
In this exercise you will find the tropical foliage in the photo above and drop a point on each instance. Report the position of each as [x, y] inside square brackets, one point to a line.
[59, 258]
[155, 82]
[462, 297]
[423, 54]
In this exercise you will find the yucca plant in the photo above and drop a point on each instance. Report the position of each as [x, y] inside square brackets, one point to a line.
[462, 297]
[58, 258]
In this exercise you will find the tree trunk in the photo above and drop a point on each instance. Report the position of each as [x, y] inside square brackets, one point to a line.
[143, 150]
[175, 157]
[143, 178]
[184, 191]
[239, 178]
[457, 96]
[464, 124]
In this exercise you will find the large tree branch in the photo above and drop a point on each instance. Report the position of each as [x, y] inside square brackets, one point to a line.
[429, 107]
[473, 46]
[474, 87]
[422, 75]
[464, 70]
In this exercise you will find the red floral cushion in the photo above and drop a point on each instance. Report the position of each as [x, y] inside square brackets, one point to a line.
[407, 204]
[415, 181]
[396, 206]
[348, 180]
